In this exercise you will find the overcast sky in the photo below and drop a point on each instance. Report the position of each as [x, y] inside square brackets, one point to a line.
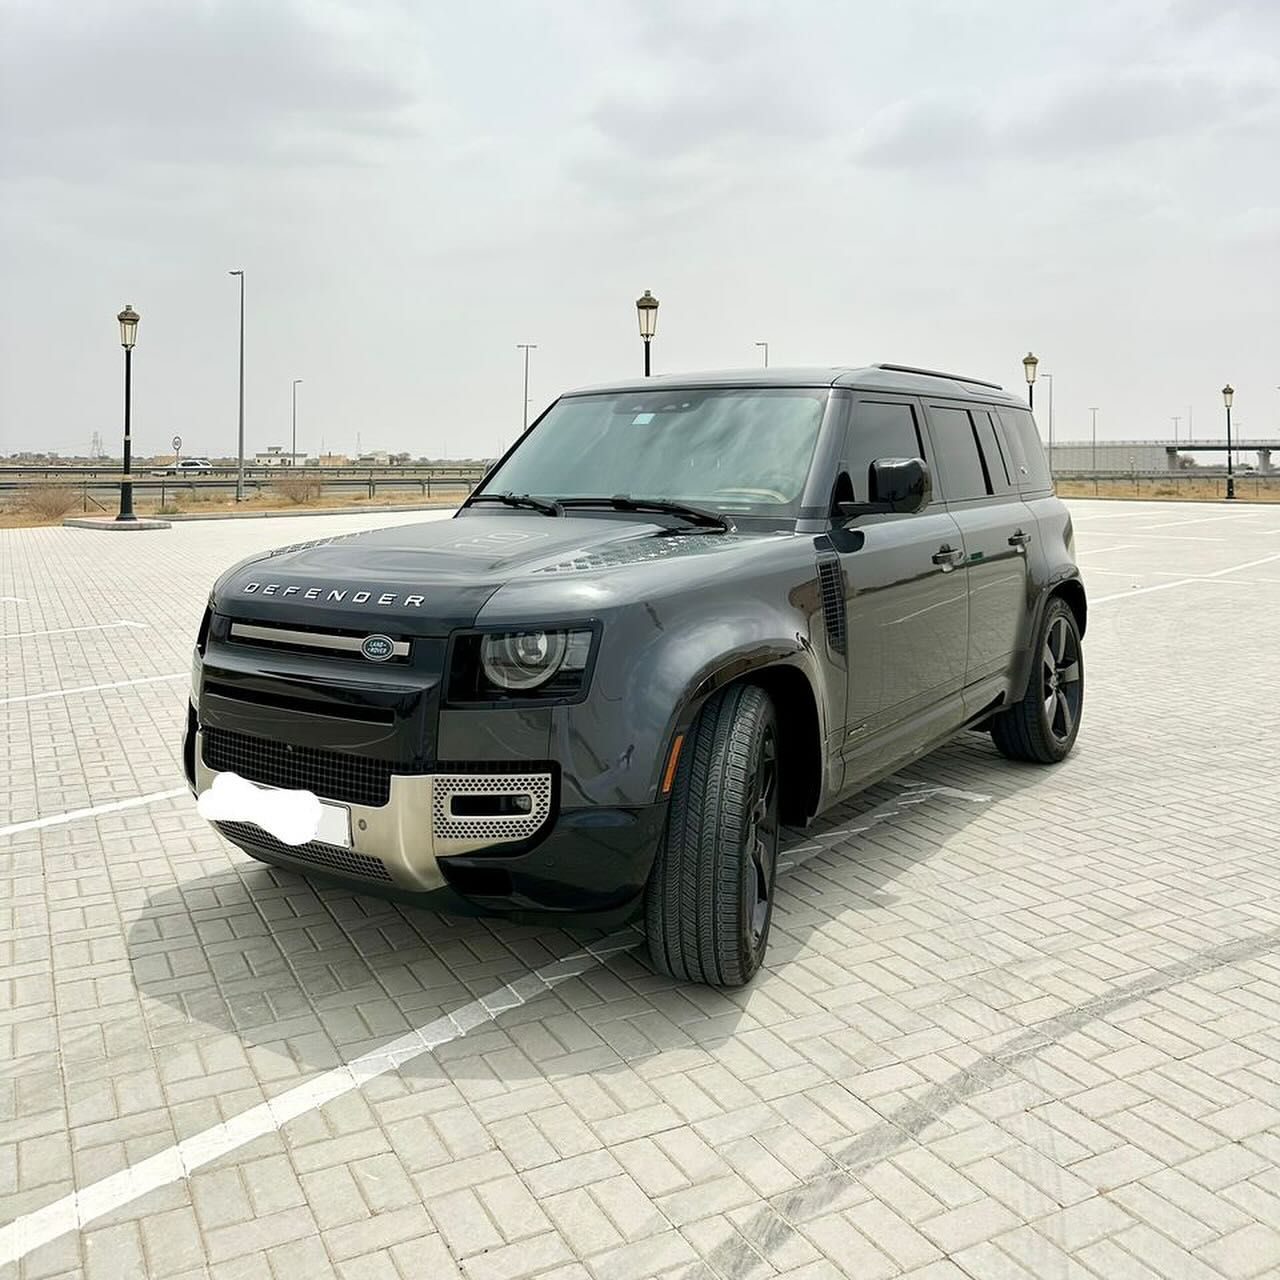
[412, 189]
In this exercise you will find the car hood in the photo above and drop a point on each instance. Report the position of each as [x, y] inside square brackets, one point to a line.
[432, 577]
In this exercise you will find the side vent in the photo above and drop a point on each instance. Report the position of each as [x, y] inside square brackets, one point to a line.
[831, 581]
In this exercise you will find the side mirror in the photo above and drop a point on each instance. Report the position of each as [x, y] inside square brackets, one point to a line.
[898, 485]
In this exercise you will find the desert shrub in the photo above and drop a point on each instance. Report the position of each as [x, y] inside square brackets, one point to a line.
[297, 486]
[50, 501]
[168, 509]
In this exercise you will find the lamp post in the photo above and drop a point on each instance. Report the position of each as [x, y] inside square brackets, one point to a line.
[526, 347]
[293, 453]
[1029, 363]
[128, 335]
[647, 312]
[240, 438]
[1228, 394]
[1048, 377]
[1177, 418]
[1093, 409]
[765, 345]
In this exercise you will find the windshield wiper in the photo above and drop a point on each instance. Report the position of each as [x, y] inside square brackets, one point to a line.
[697, 516]
[519, 500]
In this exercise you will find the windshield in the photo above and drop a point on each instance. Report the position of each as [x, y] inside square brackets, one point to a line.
[743, 450]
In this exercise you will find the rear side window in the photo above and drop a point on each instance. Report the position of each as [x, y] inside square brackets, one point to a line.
[992, 453]
[879, 430]
[964, 471]
[1030, 471]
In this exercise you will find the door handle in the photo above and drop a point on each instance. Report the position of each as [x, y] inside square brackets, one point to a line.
[948, 557]
[1019, 539]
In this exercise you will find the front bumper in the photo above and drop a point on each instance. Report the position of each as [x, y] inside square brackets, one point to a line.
[585, 860]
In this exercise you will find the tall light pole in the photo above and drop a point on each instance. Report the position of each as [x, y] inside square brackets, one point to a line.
[1029, 363]
[765, 345]
[1093, 409]
[526, 347]
[1048, 377]
[240, 437]
[128, 335]
[1177, 418]
[647, 312]
[1228, 394]
[293, 453]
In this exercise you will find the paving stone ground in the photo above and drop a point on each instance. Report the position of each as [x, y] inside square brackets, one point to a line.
[1015, 1022]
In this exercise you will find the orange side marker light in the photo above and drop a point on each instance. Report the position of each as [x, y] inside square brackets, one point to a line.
[674, 759]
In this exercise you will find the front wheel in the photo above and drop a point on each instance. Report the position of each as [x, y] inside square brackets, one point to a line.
[710, 895]
[1042, 728]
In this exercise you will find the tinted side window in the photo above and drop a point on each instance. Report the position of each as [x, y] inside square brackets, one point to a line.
[964, 473]
[1031, 472]
[993, 454]
[879, 430]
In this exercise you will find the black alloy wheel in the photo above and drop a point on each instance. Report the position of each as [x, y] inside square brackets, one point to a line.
[709, 900]
[1042, 727]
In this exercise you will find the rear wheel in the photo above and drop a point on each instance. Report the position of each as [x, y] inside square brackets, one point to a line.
[710, 896]
[1042, 728]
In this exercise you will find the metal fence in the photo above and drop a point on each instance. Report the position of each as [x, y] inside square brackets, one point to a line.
[99, 487]
[1254, 485]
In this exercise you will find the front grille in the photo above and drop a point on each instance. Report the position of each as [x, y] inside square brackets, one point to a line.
[315, 853]
[333, 775]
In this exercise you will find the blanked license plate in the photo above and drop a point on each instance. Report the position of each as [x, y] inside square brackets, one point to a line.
[335, 824]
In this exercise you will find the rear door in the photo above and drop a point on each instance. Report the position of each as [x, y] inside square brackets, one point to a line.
[997, 528]
[907, 606]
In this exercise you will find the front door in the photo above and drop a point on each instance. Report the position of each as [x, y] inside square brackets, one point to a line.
[905, 591]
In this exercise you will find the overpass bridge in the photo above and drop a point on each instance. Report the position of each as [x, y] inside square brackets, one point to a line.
[1154, 455]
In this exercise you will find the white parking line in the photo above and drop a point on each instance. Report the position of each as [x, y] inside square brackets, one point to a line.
[77, 1209]
[114, 806]
[916, 793]
[10, 599]
[1182, 582]
[1231, 515]
[90, 688]
[1097, 551]
[62, 631]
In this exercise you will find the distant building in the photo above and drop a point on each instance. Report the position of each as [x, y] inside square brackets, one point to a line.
[275, 456]
[378, 458]
[333, 460]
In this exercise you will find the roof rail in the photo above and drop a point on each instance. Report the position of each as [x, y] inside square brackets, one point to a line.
[934, 373]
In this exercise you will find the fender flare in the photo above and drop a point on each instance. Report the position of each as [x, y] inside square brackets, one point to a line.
[786, 669]
[1067, 585]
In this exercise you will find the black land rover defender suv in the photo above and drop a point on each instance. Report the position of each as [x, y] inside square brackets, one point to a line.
[678, 613]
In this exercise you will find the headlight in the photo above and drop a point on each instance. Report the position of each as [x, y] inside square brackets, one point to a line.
[499, 666]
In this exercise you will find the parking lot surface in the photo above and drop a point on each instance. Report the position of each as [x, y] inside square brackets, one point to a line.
[1015, 1022]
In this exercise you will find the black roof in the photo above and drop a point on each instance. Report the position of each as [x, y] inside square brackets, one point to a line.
[876, 377]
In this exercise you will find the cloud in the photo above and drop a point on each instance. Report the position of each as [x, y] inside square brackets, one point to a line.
[1113, 109]
[1105, 111]
[224, 82]
[707, 99]
[925, 133]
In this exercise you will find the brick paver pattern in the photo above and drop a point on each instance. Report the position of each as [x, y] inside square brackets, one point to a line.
[1025, 1023]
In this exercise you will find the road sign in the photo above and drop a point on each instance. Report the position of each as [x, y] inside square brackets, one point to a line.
[177, 443]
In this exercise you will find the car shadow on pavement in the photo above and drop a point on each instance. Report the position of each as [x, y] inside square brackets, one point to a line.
[251, 961]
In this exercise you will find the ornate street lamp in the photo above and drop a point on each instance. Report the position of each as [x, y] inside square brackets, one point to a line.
[1029, 363]
[1228, 394]
[128, 336]
[647, 311]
